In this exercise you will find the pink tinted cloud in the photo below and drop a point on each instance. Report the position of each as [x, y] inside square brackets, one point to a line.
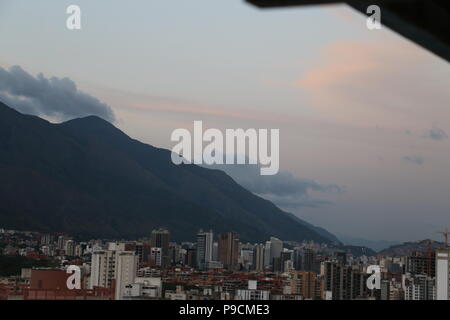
[371, 83]
[201, 112]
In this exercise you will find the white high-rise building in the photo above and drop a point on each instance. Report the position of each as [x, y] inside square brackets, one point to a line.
[113, 265]
[276, 246]
[103, 268]
[126, 262]
[442, 274]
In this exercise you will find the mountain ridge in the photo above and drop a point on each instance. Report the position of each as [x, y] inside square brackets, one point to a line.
[87, 177]
[409, 247]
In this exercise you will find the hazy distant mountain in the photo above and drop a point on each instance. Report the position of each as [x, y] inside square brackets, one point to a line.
[323, 232]
[376, 245]
[88, 178]
[408, 248]
[357, 251]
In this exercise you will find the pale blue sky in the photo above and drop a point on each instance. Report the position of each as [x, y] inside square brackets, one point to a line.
[353, 106]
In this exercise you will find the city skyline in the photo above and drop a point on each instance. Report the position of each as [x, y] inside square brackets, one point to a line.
[356, 156]
[274, 270]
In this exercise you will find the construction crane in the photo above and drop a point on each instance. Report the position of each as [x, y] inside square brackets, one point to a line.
[429, 255]
[445, 234]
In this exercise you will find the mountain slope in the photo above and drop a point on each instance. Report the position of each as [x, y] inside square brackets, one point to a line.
[408, 248]
[88, 178]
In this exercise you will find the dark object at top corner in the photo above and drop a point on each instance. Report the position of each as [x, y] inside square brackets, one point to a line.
[425, 22]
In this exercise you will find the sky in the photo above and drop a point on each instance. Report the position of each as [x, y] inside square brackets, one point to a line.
[364, 115]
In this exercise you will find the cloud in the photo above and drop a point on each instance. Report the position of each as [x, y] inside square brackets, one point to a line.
[414, 160]
[436, 134]
[284, 189]
[364, 83]
[53, 97]
[284, 184]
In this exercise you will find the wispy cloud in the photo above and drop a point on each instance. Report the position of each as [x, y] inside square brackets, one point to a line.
[283, 189]
[372, 83]
[418, 160]
[436, 134]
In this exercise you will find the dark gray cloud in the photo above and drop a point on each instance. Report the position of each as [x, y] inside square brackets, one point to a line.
[282, 184]
[414, 160]
[436, 134]
[284, 189]
[54, 97]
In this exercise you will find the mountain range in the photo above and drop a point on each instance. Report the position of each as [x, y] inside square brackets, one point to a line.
[87, 178]
[408, 248]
